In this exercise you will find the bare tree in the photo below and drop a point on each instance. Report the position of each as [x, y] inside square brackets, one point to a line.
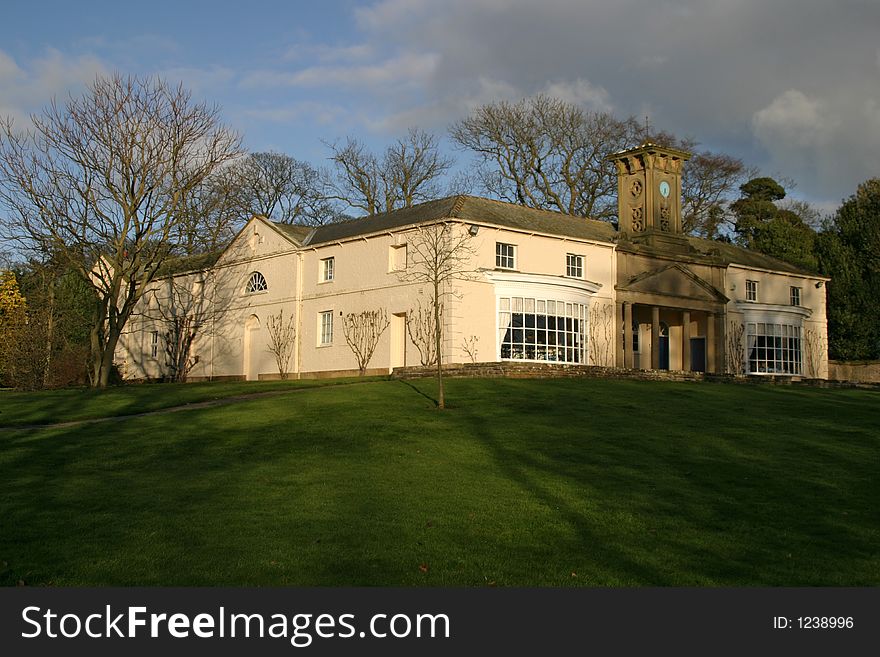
[101, 182]
[182, 306]
[809, 214]
[210, 215]
[816, 345]
[58, 310]
[707, 183]
[420, 328]
[601, 333]
[358, 180]
[736, 350]
[362, 332]
[469, 346]
[272, 185]
[281, 188]
[407, 173]
[179, 338]
[439, 255]
[282, 338]
[546, 153]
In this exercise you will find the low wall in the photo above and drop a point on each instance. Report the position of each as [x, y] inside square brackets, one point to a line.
[511, 370]
[275, 376]
[867, 371]
[326, 374]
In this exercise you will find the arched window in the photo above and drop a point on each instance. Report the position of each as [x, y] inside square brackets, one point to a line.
[256, 283]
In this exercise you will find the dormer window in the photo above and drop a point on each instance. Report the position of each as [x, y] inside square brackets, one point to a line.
[256, 283]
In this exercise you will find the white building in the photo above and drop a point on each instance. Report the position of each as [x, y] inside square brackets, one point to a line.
[541, 287]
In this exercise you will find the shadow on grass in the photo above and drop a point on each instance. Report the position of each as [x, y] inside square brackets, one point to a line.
[520, 483]
[671, 493]
[412, 387]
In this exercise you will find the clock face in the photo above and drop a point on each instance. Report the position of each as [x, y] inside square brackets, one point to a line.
[664, 189]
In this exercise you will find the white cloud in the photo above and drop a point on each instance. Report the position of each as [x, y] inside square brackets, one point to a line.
[828, 144]
[8, 68]
[405, 69]
[581, 92]
[200, 81]
[794, 120]
[327, 53]
[26, 87]
[738, 75]
[321, 113]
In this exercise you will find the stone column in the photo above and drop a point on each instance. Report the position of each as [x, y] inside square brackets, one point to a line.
[710, 343]
[655, 337]
[627, 335]
[686, 340]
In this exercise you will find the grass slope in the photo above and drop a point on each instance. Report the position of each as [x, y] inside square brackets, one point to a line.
[76, 404]
[526, 483]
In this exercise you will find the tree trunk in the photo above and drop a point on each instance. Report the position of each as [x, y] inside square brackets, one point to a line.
[50, 332]
[95, 356]
[102, 356]
[109, 353]
[441, 402]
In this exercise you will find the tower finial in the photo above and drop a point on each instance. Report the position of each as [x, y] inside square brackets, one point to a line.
[647, 129]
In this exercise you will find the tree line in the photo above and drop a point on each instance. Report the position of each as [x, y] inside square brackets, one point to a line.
[105, 189]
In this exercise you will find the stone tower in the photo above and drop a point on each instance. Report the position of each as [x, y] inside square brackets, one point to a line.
[649, 193]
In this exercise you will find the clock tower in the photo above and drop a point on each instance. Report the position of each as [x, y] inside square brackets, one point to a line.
[649, 193]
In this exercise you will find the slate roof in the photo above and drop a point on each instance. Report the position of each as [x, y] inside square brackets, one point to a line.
[469, 209]
[296, 232]
[473, 209]
[739, 256]
[182, 264]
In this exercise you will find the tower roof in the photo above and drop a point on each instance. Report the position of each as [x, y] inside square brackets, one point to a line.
[650, 147]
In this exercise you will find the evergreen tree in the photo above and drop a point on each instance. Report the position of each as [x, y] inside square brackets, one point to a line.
[762, 225]
[849, 252]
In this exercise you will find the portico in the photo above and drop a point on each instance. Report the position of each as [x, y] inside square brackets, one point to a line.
[671, 338]
[671, 307]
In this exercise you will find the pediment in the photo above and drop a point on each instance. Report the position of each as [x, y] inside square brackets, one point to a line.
[258, 238]
[675, 281]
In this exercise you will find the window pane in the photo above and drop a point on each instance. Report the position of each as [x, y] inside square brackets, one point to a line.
[774, 348]
[532, 330]
[256, 283]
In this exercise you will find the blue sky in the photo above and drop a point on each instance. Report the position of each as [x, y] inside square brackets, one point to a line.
[791, 86]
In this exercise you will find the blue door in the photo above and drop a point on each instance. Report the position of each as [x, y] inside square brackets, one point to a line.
[698, 354]
[664, 346]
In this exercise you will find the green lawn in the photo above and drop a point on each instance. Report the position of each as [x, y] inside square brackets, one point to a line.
[519, 483]
[72, 404]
